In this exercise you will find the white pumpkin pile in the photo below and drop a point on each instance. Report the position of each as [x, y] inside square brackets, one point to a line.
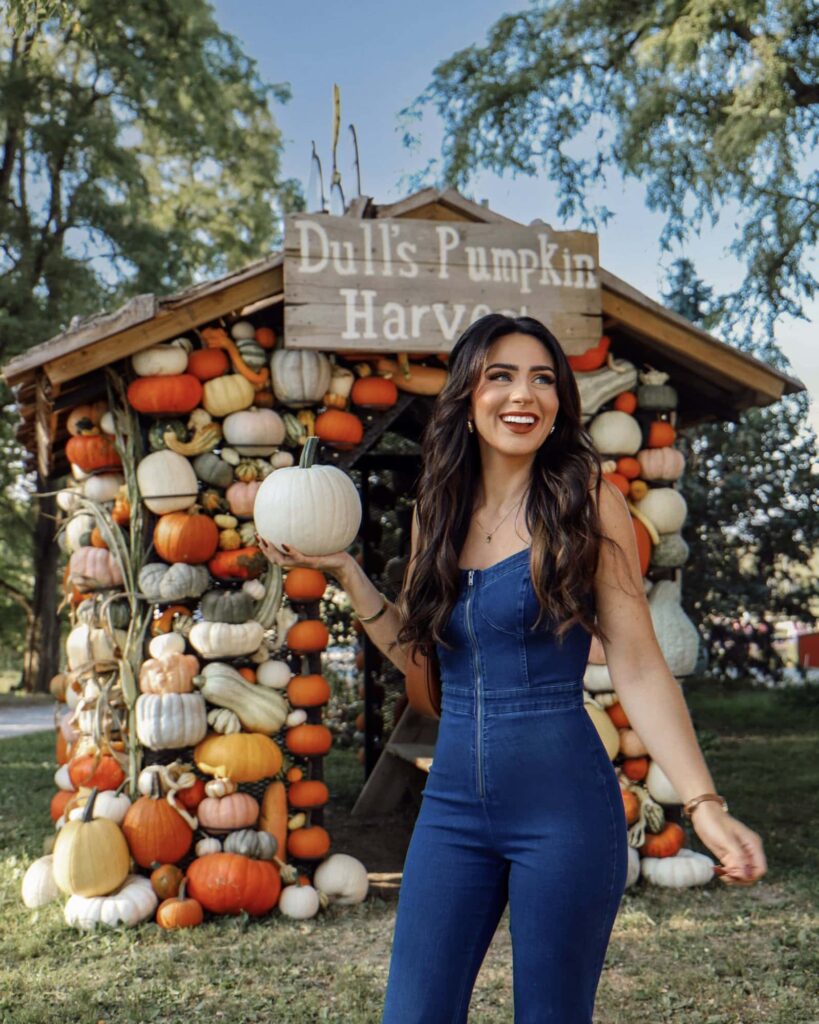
[633, 429]
[215, 674]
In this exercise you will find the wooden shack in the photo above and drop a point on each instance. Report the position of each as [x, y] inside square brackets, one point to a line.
[713, 380]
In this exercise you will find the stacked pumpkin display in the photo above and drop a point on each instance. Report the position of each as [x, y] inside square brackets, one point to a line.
[231, 736]
[631, 418]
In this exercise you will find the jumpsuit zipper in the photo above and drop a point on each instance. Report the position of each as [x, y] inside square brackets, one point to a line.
[477, 664]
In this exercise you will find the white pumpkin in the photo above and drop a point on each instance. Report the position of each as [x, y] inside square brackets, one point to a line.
[242, 329]
[78, 531]
[275, 674]
[665, 507]
[659, 786]
[170, 720]
[160, 360]
[68, 500]
[85, 644]
[103, 487]
[676, 633]
[223, 395]
[597, 678]
[316, 510]
[62, 779]
[299, 902]
[39, 887]
[616, 433]
[166, 644]
[684, 869]
[254, 431]
[210, 844]
[633, 870]
[134, 901]
[297, 717]
[167, 482]
[342, 878]
[300, 376]
[108, 804]
[226, 639]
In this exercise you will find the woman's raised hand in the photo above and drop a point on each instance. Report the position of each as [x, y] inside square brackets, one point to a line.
[337, 564]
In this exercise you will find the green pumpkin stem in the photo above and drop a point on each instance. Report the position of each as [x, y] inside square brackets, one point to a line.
[88, 811]
[308, 452]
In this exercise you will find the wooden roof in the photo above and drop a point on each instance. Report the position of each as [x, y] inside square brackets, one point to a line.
[715, 380]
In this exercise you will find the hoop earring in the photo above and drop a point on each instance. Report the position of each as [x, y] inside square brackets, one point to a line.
[470, 426]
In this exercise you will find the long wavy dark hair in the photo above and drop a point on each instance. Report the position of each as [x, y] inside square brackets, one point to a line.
[561, 514]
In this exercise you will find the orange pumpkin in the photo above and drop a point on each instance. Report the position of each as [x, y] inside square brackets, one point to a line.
[265, 336]
[247, 674]
[308, 793]
[629, 467]
[309, 843]
[374, 393]
[593, 358]
[85, 419]
[661, 434]
[308, 740]
[207, 363]
[342, 430]
[92, 451]
[665, 843]
[228, 883]
[626, 402]
[180, 911]
[192, 796]
[294, 774]
[121, 512]
[171, 395]
[97, 539]
[303, 584]
[631, 805]
[618, 716]
[155, 831]
[186, 537]
[58, 802]
[241, 564]
[309, 691]
[635, 768]
[638, 489]
[307, 636]
[95, 772]
[166, 880]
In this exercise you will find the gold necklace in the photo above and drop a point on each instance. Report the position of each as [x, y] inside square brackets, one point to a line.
[496, 528]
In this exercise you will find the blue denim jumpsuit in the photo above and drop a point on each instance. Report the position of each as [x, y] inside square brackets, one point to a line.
[522, 804]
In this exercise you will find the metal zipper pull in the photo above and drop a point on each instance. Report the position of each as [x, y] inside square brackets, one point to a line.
[471, 574]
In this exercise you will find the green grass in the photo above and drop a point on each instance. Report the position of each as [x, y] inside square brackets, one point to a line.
[713, 955]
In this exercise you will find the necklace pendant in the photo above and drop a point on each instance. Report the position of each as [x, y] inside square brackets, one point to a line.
[488, 537]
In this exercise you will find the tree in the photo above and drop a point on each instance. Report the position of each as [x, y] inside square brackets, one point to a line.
[713, 105]
[752, 498]
[138, 153]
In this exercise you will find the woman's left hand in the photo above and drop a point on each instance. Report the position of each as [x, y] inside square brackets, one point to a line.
[736, 846]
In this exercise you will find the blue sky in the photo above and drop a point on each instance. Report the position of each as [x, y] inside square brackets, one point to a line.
[382, 55]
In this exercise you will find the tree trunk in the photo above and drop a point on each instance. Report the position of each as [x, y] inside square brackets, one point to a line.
[42, 657]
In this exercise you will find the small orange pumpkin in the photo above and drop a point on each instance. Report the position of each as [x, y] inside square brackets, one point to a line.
[374, 393]
[661, 434]
[635, 768]
[309, 843]
[207, 363]
[308, 793]
[342, 430]
[92, 451]
[308, 740]
[265, 336]
[631, 805]
[666, 843]
[629, 467]
[310, 691]
[307, 636]
[618, 716]
[626, 402]
[180, 911]
[186, 537]
[302, 584]
[166, 880]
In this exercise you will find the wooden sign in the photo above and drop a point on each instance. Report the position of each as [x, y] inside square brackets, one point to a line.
[404, 285]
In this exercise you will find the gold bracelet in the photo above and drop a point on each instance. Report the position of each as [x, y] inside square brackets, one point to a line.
[689, 806]
[378, 614]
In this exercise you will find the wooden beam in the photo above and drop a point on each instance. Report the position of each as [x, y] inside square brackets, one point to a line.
[45, 424]
[137, 311]
[706, 356]
[167, 324]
